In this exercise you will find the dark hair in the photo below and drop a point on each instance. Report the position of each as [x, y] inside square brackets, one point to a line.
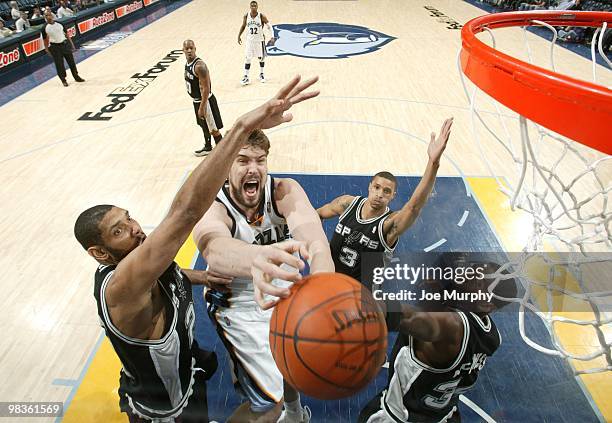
[87, 225]
[251, 3]
[386, 175]
[258, 139]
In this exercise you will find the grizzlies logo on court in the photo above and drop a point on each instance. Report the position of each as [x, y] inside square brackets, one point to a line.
[325, 40]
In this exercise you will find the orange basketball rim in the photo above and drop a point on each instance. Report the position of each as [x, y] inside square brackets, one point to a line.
[577, 109]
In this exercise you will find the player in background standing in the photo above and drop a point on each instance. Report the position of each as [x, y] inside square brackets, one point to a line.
[255, 44]
[197, 79]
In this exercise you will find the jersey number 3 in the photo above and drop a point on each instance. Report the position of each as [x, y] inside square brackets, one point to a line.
[348, 256]
[447, 389]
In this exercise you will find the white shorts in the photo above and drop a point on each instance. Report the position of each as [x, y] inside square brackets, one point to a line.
[246, 336]
[255, 49]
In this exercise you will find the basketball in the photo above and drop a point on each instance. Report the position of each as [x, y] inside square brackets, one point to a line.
[328, 338]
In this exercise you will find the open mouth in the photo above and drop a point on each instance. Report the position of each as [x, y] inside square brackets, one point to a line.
[251, 188]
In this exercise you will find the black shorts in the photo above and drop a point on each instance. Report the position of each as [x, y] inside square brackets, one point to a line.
[213, 115]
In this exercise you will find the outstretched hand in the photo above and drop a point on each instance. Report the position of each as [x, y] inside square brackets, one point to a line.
[437, 145]
[267, 266]
[274, 111]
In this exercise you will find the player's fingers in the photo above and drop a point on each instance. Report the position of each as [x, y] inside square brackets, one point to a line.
[268, 304]
[284, 91]
[303, 86]
[276, 272]
[304, 252]
[279, 256]
[303, 96]
[287, 117]
[259, 298]
[299, 92]
[294, 246]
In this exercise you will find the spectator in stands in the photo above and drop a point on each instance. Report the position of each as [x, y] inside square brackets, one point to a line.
[78, 6]
[36, 13]
[64, 11]
[4, 32]
[48, 9]
[15, 14]
[22, 23]
[58, 45]
[535, 5]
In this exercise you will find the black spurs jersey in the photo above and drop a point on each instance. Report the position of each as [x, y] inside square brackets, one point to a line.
[193, 82]
[420, 393]
[157, 375]
[355, 236]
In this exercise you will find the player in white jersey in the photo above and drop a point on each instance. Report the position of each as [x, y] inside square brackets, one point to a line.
[251, 225]
[255, 44]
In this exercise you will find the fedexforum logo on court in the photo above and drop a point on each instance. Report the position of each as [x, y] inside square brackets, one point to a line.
[122, 95]
[326, 40]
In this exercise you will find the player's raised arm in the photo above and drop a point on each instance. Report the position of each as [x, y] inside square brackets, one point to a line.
[398, 222]
[335, 208]
[242, 27]
[138, 271]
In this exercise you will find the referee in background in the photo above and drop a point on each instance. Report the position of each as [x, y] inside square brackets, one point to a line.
[56, 45]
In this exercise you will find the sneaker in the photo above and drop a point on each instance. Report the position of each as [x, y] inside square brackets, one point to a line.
[305, 418]
[204, 151]
[64, 83]
[79, 79]
[262, 78]
[245, 81]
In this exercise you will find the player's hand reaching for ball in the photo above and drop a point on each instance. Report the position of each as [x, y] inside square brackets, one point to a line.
[274, 111]
[218, 281]
[267, 266]
[437, 145]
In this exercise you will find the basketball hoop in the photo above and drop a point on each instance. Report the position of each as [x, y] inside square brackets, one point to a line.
[563, 187]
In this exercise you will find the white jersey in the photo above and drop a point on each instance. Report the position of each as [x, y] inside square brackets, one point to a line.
[254, 28]
[270, 228]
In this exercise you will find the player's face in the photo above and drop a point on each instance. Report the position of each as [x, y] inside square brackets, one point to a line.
[248, 175]
[253, 8]
[189, 49]
[380, 193]
[121, 234]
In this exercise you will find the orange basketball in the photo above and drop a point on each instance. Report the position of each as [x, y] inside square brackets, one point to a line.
[329, 339]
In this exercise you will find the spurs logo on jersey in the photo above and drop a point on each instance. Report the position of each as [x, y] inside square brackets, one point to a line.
[419, 392]
[254, 28]
[268, 229]
[354, 236]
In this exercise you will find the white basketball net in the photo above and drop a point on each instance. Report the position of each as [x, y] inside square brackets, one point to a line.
[559, 183]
